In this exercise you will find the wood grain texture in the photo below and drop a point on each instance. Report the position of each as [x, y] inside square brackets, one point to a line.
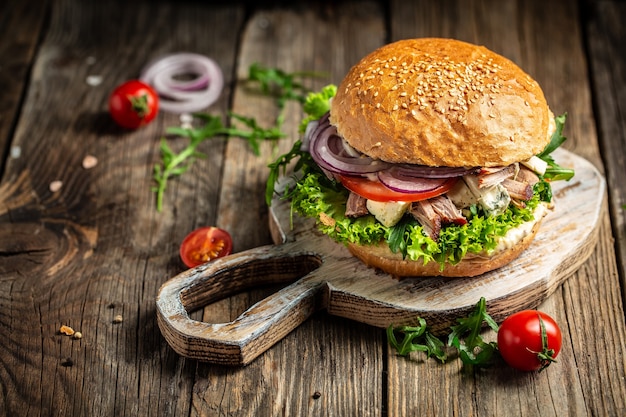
[606, 39]
[20, 29]
[325, 38]
[539, 37]
[97, 248]
[329, 277]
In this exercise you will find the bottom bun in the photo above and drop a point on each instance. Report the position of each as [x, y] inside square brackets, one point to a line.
[518, 239]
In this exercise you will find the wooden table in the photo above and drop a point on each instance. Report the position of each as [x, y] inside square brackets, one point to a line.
[97, 248]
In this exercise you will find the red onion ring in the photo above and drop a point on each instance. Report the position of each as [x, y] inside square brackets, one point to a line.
[184, 96]
[394, 179]
[327, 150]
[334, 154]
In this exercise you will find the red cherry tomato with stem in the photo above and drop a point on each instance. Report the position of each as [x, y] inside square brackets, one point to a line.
[205, 244]
[133, 104]
[529, 340]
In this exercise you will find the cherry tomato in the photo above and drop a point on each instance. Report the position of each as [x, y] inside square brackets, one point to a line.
[529, 340]
[133, 104]
[205, 244]
[375, 190]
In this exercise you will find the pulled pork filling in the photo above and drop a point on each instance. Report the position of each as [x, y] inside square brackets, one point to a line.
[491, 188]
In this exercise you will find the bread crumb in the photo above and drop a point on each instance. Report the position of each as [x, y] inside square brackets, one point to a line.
[55, 186]
[78, 335]
[118, 319]
[94, 80]
[89, 162]
[66, 330]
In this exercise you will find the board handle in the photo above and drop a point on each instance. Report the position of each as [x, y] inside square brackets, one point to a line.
[258, 328]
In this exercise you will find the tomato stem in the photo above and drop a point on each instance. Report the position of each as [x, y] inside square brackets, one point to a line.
[546, 356]
[139, 105]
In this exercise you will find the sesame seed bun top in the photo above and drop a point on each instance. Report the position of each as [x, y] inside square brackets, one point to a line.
[441, 102]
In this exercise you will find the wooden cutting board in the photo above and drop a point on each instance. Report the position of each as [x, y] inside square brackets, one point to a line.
[321, 274]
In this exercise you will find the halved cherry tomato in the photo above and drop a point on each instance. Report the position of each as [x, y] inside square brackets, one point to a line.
[205, 244]
[133, 104]
[529, 340]
[375, 190]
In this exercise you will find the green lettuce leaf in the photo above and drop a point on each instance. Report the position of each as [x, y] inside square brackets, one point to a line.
[318, 197]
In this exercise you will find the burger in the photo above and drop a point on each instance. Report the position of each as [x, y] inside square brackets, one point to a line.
[430, 158]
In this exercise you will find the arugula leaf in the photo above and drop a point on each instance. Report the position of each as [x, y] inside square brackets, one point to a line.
[555, 172]
[274, 82]
[174, 164]
[278, 167]
[277, 83]
[416, 338]
[396, 239]
[255, 134]
[465, 337]
[316, 104]
[280, 84]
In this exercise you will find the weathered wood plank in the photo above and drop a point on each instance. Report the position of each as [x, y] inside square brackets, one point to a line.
[544, 39]
[339, 360]
[21, 27]
[605, 40]
[97, 247]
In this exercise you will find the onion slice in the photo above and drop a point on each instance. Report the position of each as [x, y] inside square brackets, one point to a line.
[329, 152]
[184, 96]
[394, 179]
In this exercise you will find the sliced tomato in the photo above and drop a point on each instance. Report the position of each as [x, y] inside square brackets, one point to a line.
[375, 190]
[205, 244]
